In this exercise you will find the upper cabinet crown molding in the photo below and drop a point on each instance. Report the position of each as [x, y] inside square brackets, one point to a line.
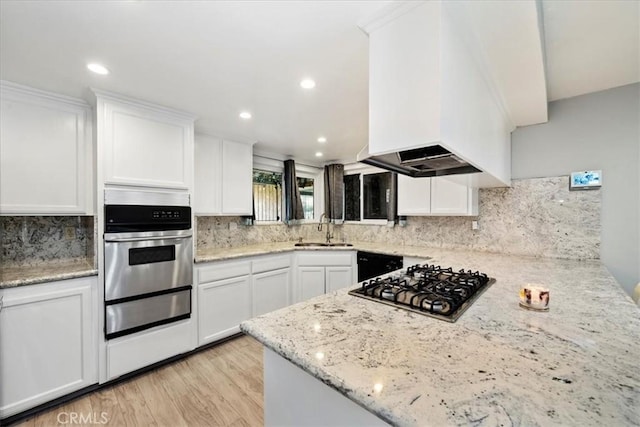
[46, 153]
[142, 144]
[137, 103]
[11, 90]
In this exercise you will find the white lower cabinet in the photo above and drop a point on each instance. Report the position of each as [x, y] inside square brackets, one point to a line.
[222, 305]
[319, 272]
[224, 299]
[230, 292]
[271, 291]
[136, 351]
[338, 278]
[48, 342]
[311, 282]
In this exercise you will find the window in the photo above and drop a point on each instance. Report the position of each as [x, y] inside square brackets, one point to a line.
[352, 197]
[377, 192]
[267, 195]
[368, 196]
[305, 185]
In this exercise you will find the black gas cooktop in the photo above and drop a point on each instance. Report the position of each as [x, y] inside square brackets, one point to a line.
[427, 289]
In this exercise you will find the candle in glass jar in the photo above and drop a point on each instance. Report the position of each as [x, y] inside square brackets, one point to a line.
[534, 296]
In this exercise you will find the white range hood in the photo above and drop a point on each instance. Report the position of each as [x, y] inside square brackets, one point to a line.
[437, 85]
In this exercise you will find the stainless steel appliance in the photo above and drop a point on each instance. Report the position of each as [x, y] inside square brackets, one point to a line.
[427, 289]
[372, 264]
[148, 264]
[434, 160]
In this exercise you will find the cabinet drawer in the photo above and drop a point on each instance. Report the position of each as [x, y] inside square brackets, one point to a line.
[325, 258]
[223, 270]
[136, 351]
[271, 263]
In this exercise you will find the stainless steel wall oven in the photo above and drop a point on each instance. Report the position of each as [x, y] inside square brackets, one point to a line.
[148, 266]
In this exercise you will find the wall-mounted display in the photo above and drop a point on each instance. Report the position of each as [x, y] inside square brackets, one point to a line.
[587, 180]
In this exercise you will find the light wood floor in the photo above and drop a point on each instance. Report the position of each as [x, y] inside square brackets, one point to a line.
[221, 386]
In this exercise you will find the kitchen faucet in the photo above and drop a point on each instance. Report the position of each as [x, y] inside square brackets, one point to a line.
[329, 235]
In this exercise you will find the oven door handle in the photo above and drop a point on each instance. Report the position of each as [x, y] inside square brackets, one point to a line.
[143, 239]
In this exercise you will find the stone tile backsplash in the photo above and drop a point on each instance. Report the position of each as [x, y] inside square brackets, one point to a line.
[536, 217]
[30, 240]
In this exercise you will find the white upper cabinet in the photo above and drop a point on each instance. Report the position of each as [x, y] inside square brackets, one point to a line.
[414, 196]
[443, 196]
[144, 145]
[46, 165]
[223, 177]
[439, 74]
[451, 195]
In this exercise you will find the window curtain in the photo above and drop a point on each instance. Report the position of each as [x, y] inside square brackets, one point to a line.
[392, 203]
[292, 201]
[334, 191]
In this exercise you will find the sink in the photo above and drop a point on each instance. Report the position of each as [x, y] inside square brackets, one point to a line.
[316, 244]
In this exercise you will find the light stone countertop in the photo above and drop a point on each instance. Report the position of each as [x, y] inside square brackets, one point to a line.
[499, 364]
[219, 254]
[11, 277]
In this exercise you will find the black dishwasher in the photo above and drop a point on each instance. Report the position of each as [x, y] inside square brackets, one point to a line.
[371, 264]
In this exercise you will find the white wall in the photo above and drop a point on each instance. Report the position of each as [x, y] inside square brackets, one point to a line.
[600, 130]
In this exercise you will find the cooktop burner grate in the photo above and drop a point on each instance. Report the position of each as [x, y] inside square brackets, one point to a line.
[427, 289]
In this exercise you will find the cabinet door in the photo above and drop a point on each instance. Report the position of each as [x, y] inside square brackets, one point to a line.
[414, 196]
[271, 291]
[452, 196]
[237, 178]
[208, 175]
[222, 306]
[47, 343]
[338, 278]
[144, 145]
[310, 282]
[45, 153]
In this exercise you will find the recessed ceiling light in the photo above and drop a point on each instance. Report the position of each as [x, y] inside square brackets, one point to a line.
[98, 69]
[307, 84]
[245, 115]
[318, 154]
[322, 140]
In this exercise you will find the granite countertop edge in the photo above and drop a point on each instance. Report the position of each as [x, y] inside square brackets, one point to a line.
[45, 276]
[361, 399]
[563, 350]
[221, 254]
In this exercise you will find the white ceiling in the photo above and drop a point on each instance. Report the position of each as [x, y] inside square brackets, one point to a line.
[590, 45]
[215, 59]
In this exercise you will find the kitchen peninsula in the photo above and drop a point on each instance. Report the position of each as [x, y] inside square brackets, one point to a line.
[499, 364]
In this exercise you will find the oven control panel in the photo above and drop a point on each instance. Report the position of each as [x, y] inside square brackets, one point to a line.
[165, 214]
[134, 218]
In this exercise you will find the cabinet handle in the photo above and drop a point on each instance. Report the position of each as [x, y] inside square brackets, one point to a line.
[1, 301]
